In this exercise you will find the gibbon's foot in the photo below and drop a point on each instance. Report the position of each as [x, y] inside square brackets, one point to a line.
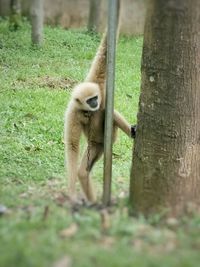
[81, 202]
[76, 201]
[133, 131]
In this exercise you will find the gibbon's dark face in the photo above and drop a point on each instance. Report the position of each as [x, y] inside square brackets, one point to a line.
[93, 101]
[89, 104]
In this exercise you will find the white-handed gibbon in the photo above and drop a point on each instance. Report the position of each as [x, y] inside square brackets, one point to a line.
[85, 114]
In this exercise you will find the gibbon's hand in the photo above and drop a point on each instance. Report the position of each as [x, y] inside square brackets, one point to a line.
[133, 131]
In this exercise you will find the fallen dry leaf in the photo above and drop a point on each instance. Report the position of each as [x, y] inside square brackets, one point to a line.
[105, 220]
[45, 213]
[23, 195]
[63, 262]
[122, 195]
[172, 222]
[144, 230]
[138, 244]
[61, 199]
[107, 241]
[70, 231]
[191, 208]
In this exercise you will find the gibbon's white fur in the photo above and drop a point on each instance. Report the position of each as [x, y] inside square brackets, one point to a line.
[85, 114]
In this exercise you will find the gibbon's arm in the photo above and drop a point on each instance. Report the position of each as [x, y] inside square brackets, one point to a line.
[97, 72]
[72, 139]
[121, 122]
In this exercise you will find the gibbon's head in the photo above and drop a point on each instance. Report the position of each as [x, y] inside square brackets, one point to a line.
[86, 96]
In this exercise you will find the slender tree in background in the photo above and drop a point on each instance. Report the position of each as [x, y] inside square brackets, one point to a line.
[36, 14]
[4, 7]
[94, 14]
[15, 14]
[166, 156]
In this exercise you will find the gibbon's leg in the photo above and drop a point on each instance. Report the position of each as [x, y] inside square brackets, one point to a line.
[71, 140]
[121, 122]
[87, 163]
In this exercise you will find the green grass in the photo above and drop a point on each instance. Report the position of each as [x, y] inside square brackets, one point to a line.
[34, 90]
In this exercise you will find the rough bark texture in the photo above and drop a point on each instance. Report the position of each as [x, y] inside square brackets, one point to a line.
[94, 14]
[166, 157]
[36, 14]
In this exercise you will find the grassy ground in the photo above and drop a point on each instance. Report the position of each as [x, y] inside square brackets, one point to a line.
[39, 228]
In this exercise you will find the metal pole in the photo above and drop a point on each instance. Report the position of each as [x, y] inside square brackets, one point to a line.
[110, 84]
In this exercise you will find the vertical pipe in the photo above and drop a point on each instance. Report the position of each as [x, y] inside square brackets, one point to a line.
[110, 84]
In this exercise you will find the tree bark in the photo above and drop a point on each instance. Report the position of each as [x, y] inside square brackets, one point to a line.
[36, 14]
[94, 14]
[166, 157]
[15, 14]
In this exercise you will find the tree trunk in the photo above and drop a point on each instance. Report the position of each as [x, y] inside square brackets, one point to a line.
[4, 7]
[15, 14]
[166, 157]
[36, 14]
[94, 13]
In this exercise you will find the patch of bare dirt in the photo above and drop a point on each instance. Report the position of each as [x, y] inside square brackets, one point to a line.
[46, 81]
[56, 82]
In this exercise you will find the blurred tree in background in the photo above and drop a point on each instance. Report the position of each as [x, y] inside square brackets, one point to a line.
[37, 17]
[94, 14]
[90, 14]
[4, 7]
[15, 14]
